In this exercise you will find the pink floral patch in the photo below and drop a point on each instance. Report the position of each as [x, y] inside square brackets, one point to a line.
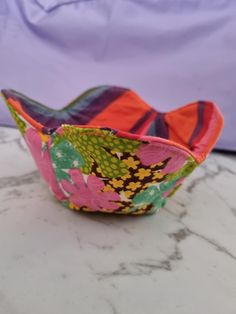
[43, 161]
[156, 152]
[89, 193]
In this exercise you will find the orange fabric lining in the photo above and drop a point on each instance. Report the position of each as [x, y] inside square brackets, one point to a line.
[212, 126]
[142, 130]
[180, 132]
[182, 123]
[123, 113]
[207, 117]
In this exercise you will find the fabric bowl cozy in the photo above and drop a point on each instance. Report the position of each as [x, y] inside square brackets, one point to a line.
[111, 152]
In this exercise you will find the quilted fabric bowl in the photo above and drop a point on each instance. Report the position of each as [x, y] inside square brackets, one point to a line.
[111, 152]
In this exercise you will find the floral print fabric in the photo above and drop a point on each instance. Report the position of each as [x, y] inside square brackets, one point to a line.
[156, 152]
[97, 146]
[89, 194]
[42, 158]
[98, 170]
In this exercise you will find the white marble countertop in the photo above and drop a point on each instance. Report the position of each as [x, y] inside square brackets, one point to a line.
[181, 260]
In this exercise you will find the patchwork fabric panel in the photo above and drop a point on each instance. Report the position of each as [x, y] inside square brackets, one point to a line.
[97, 153]
[97, 170]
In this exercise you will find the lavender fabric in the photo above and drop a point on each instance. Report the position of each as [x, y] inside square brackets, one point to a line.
[169, 51]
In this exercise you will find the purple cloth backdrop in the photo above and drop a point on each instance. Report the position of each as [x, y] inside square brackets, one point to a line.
[170, 51]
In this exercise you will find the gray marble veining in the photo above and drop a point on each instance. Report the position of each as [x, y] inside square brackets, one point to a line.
[181, 260]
